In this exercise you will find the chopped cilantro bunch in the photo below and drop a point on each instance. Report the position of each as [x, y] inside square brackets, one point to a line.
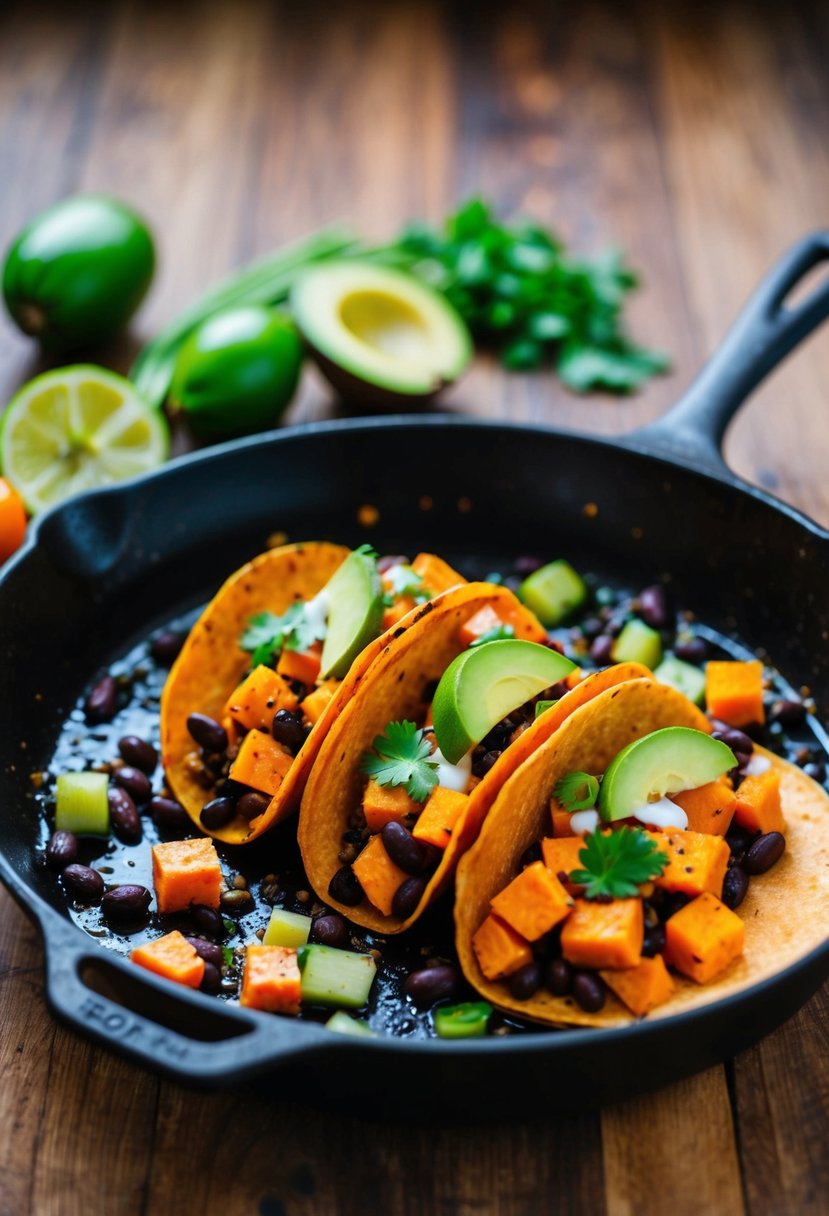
[521, 293]
[402, 755]
[403, 581]
[617, 863]
[267, 635]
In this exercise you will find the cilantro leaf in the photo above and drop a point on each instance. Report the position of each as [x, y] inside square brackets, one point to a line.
[401, 581]
[576, 791]
[266, 634]
[498, 633]
[616, 863]
[402, 756]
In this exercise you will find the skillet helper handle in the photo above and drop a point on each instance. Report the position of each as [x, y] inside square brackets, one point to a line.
[764, 333]
[186, 1035]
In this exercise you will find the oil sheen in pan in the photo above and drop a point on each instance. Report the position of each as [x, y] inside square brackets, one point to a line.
[271, 866]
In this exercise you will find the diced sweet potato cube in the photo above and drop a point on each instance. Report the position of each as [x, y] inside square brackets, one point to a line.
[261, 763]
[258, 697]
[300, 665]
[379, 877]
[271, 980]
[173, 957]
[441, 812]
[703, 938]
[384, 804]
[499, 949]
[734, 691]
[644, 987]
[479, 623]
[437, 575]
[604, 935]
[561, 856]
[186, 872]
[561, 820]
[758, 803]
[710, 808]
[697, 862]
[533, 902]
[316, 702]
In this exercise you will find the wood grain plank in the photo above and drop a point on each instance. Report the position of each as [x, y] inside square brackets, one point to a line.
[674, 1151]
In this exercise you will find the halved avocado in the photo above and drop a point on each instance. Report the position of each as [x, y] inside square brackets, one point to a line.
[381, 336]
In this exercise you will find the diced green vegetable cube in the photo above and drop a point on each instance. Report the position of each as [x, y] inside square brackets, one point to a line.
[553, 592]
[287, 929]
[466, 1021]
[638, 643]
[684, 677]
[335, 977]
[82, 804]
[343, 1023]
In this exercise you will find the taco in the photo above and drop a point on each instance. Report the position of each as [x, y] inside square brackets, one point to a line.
[272, 643]
[546, 934]
[380, 834]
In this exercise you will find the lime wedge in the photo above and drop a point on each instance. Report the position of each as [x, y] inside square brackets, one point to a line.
[76, 429]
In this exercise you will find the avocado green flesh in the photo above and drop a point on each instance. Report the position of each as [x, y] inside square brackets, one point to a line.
[664, 762]
[355, 613]
[484, 684]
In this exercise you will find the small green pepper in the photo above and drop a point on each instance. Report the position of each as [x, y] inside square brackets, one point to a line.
[465, 1021]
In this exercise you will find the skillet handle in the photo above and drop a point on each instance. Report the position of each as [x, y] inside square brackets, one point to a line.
[169, 1029]
[765, 332]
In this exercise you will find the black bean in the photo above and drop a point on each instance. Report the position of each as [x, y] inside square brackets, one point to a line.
[124, 818]
[391, 560]
[127, 902]
[139, 753]
[525, 982]
[209, 951]
[498, 737]
[329, 930]
[412, 855]
[743, 759]
[764, 853]
[589, 991]
[85, 884]
[169, 815]
[61, 850]
[592, 627]
[653, 607]
[102, 701]
[251, 804]
[600, 651]
[788, 713]
[288, 729]
[165, 646]
[208, 921]
[554, 644]
[486, 762]
[673, 902]
[691, 650]
[217, 813]
[738, 839]
[207, 732]
[345, 887]
[527, 564]
[654, 941]
[136, 783]
[531, 853]
[408, 896]
[431, 984]
[211, 980]
[558, 977]
[736, 739]
[734, 887]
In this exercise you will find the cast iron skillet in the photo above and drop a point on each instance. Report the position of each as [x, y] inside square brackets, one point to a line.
[104, 569]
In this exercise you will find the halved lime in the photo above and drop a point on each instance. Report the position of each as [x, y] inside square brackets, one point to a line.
[75, 429]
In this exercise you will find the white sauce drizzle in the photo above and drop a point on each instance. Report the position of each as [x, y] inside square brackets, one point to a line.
[453, 776]
[661, 814]
[757, 765]
[316, 611]
[583, 822]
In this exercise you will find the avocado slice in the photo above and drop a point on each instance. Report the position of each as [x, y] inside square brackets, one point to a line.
[485, 683]
[663, 762]
[354, 598]
[380, 335]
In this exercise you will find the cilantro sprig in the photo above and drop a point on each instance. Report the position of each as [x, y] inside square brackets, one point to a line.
[617, 863]
[522, 294]
[266, 634]
[576, 791]
[402, 581]
[402, 756]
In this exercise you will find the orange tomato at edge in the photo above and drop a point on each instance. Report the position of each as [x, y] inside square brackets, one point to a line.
[12, 520]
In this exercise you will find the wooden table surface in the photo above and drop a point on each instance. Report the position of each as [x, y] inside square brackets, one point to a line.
[694, 137]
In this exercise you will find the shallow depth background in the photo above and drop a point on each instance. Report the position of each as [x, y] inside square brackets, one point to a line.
[694, 136]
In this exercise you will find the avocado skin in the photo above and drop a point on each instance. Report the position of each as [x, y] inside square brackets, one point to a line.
[361, 396]
[75, 275]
